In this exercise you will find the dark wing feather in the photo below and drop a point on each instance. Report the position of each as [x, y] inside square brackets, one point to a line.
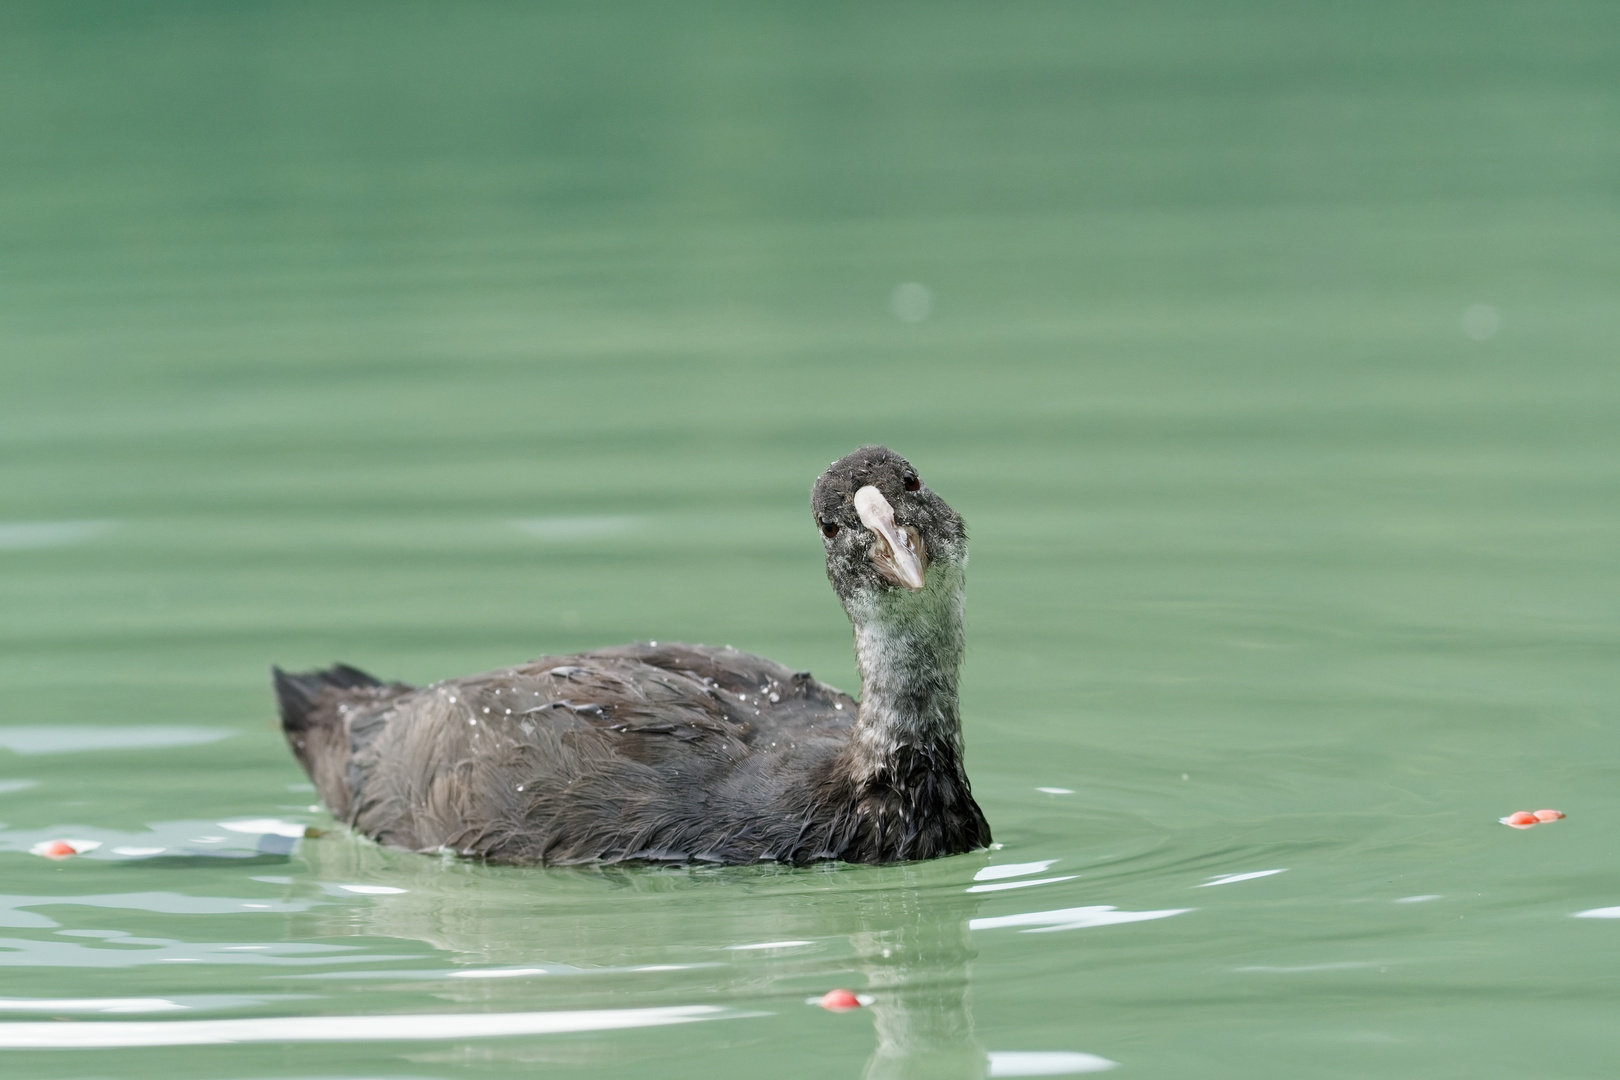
[315, 706]
[638, 752]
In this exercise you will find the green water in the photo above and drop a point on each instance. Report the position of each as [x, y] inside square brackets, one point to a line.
[1268, 350]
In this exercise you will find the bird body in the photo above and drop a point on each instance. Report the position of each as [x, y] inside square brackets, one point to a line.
[682, 753]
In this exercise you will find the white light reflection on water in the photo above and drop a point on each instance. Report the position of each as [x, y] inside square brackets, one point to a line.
[24, 535]
[1078, 918]
[178, 1003]
[435, 974]
[1017, 869]
[263, 826]
[911, 302]
[769, 945]
[13, 913]
[1001, 886]
[1599, 913]
[1230, 879]
[264, 836]
[175, 839]
[302, 1029]
[1346, 965]
[79, 738]
[23, 952]
[1046, 1063]
[576, 528]
[1481, 322]
[103, 1005]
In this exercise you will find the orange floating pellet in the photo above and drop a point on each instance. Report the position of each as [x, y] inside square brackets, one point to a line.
[1549, 815]
[840, 1000]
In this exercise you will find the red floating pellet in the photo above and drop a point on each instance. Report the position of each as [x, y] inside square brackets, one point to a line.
[1549, 815]
[840, 1000]
[1521, 818]
[58, 849]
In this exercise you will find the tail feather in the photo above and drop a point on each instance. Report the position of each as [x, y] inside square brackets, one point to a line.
[298, 693]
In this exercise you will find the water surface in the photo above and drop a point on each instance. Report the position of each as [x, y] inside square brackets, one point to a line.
[1268, 353]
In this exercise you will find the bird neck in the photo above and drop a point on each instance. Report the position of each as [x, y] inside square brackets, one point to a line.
[908, 646]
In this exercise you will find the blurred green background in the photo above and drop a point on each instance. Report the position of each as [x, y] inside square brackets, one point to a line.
[1269, 351]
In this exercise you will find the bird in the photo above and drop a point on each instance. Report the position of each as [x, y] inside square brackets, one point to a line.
[684, 754]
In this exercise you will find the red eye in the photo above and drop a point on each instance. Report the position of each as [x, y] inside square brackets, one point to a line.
[829, 529]
[911, 481]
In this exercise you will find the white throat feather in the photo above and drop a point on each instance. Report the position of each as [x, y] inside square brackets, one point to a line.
[909, 649]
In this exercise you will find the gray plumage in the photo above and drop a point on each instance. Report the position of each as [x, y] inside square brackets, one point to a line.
[683, 753]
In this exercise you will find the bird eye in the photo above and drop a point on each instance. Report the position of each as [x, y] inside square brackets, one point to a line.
[911, 481]
[829, 529]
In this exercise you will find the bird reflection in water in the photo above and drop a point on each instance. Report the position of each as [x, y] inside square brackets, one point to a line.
[898, 935]
[914, 950]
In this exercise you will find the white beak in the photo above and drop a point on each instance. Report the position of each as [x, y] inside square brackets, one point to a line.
[897, 553]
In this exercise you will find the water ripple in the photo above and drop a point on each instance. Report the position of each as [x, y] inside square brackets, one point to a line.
[24, 535]
[1078, 918]
[78, 738]
[297, 1029]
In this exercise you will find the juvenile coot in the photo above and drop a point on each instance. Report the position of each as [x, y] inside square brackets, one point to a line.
[684, 753]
